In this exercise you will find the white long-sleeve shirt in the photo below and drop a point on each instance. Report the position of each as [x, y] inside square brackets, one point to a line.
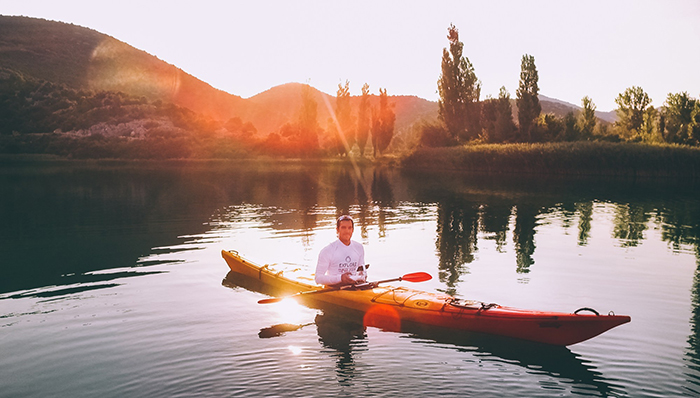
[336, 259]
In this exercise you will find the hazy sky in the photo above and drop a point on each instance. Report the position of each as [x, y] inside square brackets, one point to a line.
[594, 48]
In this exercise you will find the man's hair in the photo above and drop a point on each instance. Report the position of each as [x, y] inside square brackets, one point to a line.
[344, 218]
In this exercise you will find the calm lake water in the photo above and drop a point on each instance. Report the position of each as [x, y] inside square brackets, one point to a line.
[113, 283]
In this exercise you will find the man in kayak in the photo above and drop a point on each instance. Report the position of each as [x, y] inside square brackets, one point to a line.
[343, 261]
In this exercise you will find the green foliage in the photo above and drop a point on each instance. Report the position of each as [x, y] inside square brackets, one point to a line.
[635, 113]
[680, 119]
[575, 158]
[587, 120]
[527, 99]
[497, 118]
[571, 131]
[459, 90]
[551, 127]
[383, 122]
[504, 127]
[436, 135]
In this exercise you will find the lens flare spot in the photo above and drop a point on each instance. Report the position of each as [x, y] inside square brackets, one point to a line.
[384, 317]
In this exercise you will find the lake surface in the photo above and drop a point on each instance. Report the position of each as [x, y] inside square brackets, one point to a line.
[113, 283]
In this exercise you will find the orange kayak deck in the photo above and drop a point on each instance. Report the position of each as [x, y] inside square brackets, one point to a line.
[389, 307]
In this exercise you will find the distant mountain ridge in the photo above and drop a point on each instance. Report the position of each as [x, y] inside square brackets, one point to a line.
[85, 59]
[560, 108]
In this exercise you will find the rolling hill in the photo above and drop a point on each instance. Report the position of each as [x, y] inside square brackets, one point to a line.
[84, 59]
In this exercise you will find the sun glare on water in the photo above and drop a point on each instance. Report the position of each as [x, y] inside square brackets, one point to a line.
[289, 311]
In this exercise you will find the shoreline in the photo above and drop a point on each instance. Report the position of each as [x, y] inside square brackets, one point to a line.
[576, 159]
[548, 160]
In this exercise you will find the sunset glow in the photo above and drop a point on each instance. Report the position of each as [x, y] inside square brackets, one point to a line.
[591, 48]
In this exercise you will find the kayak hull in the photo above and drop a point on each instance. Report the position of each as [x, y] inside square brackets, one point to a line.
[390, 307]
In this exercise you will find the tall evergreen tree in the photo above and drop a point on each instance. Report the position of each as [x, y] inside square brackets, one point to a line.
[488, 119]
[363, 119]
[587, 119]
[459, 90]
[505, 127]
[383, 122]
[527, 99]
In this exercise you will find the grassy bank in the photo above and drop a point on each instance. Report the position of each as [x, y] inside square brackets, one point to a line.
[577, 158]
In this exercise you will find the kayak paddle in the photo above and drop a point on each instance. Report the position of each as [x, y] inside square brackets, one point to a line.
[412, 277]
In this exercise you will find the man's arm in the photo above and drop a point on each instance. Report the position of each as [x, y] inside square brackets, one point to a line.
[322, 266]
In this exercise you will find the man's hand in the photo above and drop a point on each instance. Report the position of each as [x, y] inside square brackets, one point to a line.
[346, 279]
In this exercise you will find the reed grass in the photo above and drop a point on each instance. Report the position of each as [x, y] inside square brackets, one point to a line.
[570, 159]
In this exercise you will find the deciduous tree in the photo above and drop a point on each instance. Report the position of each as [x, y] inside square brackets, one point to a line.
[505, 127]
[633, 104]
[527, 99]
[587, 120]
[363, 119]
[345, 137]
[459, 90]
[383, 124]
[678, 115]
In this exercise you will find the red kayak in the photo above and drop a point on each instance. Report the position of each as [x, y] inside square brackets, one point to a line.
[390, 307]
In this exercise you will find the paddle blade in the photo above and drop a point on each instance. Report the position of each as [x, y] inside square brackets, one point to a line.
[417, 277]
[278, 330]
[270, 300]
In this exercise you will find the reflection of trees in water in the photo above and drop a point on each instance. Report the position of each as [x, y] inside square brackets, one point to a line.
[630, 223]
[680, 226]
[457, 226]
[308, 198]
[694, 338]
[524, 236]
[382, 196]
[352, 189]
[495, 218]
[585, 211]
[344, 192]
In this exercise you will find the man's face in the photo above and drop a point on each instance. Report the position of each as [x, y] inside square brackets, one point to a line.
[345, 230]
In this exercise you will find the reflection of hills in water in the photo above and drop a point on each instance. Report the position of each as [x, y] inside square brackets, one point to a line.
[343, 331]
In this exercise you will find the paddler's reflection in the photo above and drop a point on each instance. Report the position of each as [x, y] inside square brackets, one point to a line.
[345, 337]
[341, 336]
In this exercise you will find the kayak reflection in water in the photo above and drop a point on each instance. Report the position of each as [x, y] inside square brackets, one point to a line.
[342, 262]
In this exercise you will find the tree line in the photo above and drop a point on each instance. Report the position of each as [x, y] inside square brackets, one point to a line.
[464, 118]
[41, 117]
[346, 128]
